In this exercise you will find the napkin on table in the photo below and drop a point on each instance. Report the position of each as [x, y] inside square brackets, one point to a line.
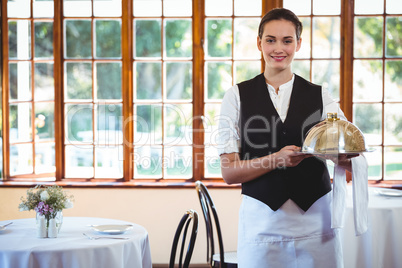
[360, 195]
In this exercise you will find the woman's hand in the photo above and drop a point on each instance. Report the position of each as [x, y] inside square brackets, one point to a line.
[288, 157]
[342, 160]
[235, 170]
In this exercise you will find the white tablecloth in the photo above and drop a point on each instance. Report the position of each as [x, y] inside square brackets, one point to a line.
[381, 245]
[20, 248]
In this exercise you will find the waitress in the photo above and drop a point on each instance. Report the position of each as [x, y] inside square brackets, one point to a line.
[285, 215]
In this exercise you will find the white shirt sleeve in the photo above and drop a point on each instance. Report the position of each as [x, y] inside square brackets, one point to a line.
[229, 133]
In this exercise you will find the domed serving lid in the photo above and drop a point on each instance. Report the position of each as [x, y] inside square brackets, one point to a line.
[334, 136]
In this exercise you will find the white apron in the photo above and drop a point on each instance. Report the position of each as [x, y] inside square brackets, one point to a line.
[288, 237]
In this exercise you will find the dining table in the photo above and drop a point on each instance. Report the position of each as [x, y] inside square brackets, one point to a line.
[76, 245]
[381, 245]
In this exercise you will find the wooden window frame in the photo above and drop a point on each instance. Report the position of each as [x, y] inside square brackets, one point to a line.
[198, 17]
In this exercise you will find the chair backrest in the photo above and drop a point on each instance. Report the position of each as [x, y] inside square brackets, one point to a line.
[190, 215]
[208, 207]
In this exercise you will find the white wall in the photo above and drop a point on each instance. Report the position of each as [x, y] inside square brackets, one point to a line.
[158, 210]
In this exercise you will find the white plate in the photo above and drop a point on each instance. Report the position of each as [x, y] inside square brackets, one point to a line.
[389, 192]
[111, 228]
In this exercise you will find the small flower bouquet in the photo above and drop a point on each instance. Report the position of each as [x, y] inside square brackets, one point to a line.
[47, 201]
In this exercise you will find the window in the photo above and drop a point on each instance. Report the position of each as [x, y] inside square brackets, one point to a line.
[377, 83]
[130, 90]
[230, 56]
[163, 89]
[30, 89]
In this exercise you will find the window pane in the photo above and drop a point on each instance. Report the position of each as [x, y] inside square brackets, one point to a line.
[108, 80]
[78, 39]
[394, 7]
[148, 161]
[367, 80]
[326, 37]
[369, 7]
[248, 8]
[20, 122]
[78, 123]
[299, 7]
[393, 80]
[79, 161]
[44, 81]
[19, 39]
[179, 162]
[305, 50]
[219, 79]
[219, 38]
[79, 80]
[148, 124]
[212, 112]
[218, 8]
[45, 158]
[212, 163]
[20, 81]
[145, 8]
[109, 124]
[179, 80]
[368, 37]
[77, 8]
[147, 38]
[394, 37]
[302, 68]
[109, 162]
[19, 8]
[368, 118]
[108, 38]
[148, 80]
[44, 40]
[393, 163]
[177, 7]
[21, 159]
[245, 47]
[393, 124]
[178, 124]
[44, 121]
[374, 161]
[178, 38]
[43, 8]
[245, 70]
[109, 8]
[326, 73]
[325, 7]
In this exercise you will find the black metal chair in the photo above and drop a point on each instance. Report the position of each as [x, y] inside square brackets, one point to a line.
[222, 259]
[183, 226]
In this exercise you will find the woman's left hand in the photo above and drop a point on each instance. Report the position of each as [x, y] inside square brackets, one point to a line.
[342, 160]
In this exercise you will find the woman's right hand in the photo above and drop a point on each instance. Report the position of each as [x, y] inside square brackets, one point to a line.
[235, 170]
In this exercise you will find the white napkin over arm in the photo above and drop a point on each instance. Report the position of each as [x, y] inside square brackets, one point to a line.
[360, 195]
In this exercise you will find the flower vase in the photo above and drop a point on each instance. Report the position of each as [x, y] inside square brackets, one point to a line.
[43, 224]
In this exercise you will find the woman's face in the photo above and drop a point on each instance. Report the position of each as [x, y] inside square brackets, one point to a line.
[278, 44]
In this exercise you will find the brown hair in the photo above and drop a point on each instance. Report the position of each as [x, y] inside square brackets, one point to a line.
[281, 14]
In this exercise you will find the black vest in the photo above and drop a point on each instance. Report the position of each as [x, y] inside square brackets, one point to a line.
[263, 133]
